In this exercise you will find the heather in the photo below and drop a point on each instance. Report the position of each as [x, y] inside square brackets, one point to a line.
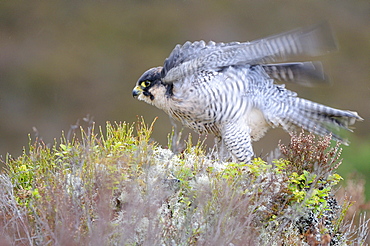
[114, 185]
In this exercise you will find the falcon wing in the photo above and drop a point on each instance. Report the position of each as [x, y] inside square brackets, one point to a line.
[190, 51]
[303, 73]
[191, 58]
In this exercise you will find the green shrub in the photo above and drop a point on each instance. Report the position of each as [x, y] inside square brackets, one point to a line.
[121, 188]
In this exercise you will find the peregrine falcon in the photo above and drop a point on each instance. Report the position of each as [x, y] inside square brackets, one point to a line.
[229, 89]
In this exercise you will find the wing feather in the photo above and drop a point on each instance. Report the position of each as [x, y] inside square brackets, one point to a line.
[191, 58]
[303, 73]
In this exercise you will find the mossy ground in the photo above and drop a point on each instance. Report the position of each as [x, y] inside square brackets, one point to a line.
[115, 186]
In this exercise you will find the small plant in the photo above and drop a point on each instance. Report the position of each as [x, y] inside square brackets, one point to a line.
[117, 186]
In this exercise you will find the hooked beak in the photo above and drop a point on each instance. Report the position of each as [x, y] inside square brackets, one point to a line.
[136, 91]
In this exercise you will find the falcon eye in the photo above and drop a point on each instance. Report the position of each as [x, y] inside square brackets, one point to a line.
[145, 83]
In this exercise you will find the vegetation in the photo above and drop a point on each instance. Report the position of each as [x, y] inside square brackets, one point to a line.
[115, 186]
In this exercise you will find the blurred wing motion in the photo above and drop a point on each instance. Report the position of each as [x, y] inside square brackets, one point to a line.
[191, 58]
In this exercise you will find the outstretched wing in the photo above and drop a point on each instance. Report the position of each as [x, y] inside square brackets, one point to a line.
[194, 57]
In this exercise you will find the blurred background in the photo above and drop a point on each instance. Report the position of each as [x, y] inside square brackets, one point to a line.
[63, 60]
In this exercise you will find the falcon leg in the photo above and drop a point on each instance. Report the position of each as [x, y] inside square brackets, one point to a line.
[221, 151]
[237, 140]
[177, 147]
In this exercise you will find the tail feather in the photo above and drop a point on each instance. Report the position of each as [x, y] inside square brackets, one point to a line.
[322, 120]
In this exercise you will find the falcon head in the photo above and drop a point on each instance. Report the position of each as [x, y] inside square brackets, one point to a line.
[150, 88]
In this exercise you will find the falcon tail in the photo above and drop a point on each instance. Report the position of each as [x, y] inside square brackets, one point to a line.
[320, 119]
